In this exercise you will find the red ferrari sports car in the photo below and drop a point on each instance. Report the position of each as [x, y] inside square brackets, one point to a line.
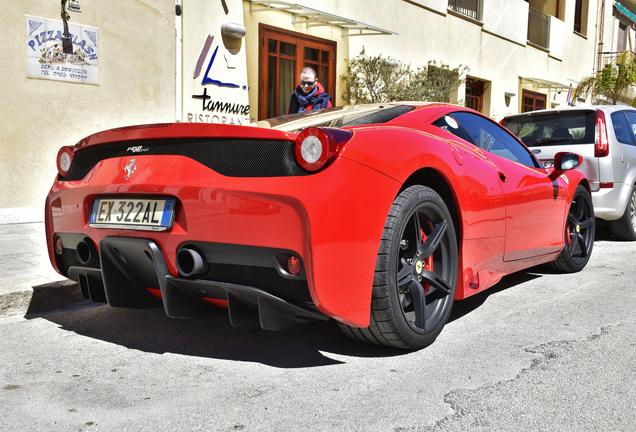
[378, 216]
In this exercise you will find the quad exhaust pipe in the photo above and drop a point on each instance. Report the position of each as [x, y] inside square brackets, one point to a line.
[86, 252]
[190, 262]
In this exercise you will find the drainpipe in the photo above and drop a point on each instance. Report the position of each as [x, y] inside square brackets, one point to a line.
[600, 32]
[178, 76]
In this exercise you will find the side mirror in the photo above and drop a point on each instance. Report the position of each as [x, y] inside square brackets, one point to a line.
[564, 161]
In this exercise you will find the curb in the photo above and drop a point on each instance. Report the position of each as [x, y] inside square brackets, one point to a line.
[41, 298]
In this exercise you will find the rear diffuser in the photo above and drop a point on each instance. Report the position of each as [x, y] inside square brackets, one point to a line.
[131, 265]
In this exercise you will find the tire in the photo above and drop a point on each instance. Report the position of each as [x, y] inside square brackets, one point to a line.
[625, 227]
[409, 313]
[578, 234]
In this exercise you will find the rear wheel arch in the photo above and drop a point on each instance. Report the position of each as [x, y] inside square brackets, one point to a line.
[432, 178]
[415, 275]
[586, 184]
[624, 228]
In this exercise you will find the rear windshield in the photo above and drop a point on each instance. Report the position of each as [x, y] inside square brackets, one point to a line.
[554, 128]
[337, 117]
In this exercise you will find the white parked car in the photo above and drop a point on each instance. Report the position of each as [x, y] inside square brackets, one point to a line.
[606, 138]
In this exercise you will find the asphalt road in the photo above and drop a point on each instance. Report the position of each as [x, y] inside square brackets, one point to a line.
[539, 351]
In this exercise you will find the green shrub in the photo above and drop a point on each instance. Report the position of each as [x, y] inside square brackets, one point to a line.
[374, 79]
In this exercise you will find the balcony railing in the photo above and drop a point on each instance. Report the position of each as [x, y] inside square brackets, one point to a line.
[470, 8]
[538, 29]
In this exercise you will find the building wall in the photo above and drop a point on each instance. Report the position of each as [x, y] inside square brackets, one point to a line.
[495, 50]
[610, 33]
[498, 14]
[136, 85]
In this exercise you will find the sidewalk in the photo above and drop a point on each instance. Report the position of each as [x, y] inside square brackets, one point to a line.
[25, 269]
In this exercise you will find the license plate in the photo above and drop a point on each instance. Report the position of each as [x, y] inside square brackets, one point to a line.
[548, 163]
[133, 213]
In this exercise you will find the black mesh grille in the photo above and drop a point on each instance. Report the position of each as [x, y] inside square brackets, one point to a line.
[265, 278]
[230, 157]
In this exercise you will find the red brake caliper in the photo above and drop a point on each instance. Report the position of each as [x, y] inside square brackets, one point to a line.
[428, 263]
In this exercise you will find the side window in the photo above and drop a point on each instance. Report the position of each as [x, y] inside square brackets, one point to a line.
[622, 129]
[631, 121]
[449, 124]
[492, 138]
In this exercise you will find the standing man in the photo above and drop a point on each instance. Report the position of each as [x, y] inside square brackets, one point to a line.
[309, 95]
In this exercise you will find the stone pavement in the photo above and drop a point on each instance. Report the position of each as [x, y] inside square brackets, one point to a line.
[540, 351]
[24, 264]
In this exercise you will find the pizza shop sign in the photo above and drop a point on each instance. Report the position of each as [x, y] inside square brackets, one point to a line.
[47, 60]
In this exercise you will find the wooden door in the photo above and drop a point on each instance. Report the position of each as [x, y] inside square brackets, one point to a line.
[475, 94]
[282, 55]
[532, 101]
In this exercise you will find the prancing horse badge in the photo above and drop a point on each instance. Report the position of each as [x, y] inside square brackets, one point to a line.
[129, 169]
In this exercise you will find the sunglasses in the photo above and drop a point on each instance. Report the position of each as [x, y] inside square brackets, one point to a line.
[307, 83]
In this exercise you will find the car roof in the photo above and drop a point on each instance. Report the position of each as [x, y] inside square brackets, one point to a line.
[604, 108]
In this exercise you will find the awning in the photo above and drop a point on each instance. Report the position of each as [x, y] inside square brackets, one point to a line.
[315, 18]
[540, 83]
[625, 11]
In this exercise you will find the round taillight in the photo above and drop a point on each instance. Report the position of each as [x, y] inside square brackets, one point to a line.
[64, 160]
[316, 147]
[313, 149]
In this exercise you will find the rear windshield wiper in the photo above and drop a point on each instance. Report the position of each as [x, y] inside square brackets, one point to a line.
[549, 141]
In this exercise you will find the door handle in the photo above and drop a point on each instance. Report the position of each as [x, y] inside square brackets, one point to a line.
[502, 176]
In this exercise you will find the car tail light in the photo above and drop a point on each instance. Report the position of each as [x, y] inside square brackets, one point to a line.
[601, 143]
[64, 160]
[316, 147]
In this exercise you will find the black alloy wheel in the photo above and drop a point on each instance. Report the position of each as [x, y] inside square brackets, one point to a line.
[415, 275]
[423, 292]
[579, 233]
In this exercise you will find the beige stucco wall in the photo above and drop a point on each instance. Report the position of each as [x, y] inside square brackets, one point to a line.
[499, 16]
[136, 85]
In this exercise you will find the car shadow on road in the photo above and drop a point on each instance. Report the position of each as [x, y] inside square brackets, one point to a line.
[463, 307]
[604, 233]
[150, 330]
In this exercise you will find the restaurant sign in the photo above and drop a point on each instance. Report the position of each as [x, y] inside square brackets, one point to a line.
[46, 59]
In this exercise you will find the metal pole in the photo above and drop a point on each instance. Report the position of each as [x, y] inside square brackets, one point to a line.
[178, 84]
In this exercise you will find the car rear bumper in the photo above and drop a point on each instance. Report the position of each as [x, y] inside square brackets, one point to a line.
[332, 220]
[131, 272]
[610, 203]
